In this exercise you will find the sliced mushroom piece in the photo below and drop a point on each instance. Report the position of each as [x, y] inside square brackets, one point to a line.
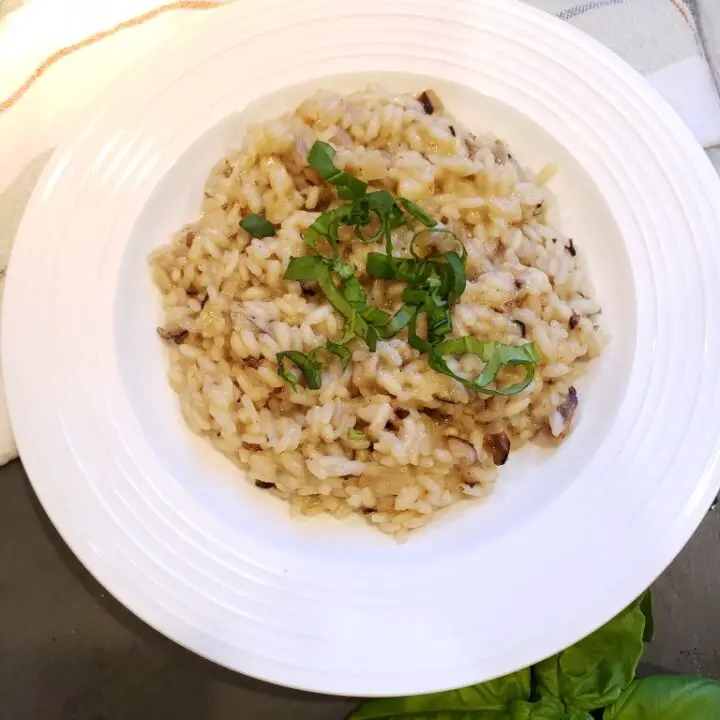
[569, 405]
[499, 444]
[500, 152]
[462, 451]
[561, 419]
[178, 336]
[430, 102]
[401, 413]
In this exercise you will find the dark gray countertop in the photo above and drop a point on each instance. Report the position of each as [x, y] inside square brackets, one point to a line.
[68, 651]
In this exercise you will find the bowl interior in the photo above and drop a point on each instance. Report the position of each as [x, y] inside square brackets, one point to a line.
[533, 477]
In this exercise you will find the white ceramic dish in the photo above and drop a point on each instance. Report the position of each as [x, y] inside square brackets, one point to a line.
[566, 539]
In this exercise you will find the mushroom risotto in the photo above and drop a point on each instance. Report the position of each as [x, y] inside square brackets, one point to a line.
[373, 308]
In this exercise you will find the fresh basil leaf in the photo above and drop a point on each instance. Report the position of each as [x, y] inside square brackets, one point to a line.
[396, 323]
[306, 268]
[594, 672]
[663, 697]
[380, 266]
[439, 321]
[647, 610]
[545, 709]
[417, 212]
[343, 269]
[355, 435]
[354, 293]
[494, 355]
[409, 270]
[257, 226]
[415, 341]
[381, 202]
[436, 231]
[321, 158]
[313, 267]
[455, 282]
[487, 701]
[349, 187]
[375, 316]
[307, 364]
[340, 350]
[325, 226]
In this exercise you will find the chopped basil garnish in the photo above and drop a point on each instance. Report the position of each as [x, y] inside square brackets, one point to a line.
[257, 226]
[434, 284]
[495, 355]
[321, 158]
[308, 365]
[356, 435]
[341, 350]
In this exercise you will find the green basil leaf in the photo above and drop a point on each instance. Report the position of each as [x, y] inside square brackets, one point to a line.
[379, 265]
[595, 671]
[396, 323]
[306, 268]
[439, 322]
[667, 698]
[325, 226]
[257, 226]
[340, 350]
[356, 435]
[416, 342]
[455, 277]
[354, 293]
[307, 364]
[487, 701]
[343, 269]
[321, 158]
[494, 355]
[313, 267]
[409, 270]
[647, 610]
[381, 202]
[375, 316]
[417, 212]
[349, 187]
[547, 708]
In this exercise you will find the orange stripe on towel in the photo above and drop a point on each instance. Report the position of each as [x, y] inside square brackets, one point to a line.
[132, 22]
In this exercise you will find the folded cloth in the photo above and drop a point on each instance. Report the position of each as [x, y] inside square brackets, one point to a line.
[658, 37]
[661, 39]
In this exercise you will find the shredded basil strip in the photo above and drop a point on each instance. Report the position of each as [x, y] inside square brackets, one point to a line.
[354, 293]
[340, 350]
[454, 276]
[307, 364]
[315, 268]
[433, 230]
[396, 322]
[257, 226]
[417, 212]
[321, 157]
[494, 354]
[356, 435]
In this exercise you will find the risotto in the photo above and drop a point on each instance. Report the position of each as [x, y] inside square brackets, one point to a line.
[373, 308]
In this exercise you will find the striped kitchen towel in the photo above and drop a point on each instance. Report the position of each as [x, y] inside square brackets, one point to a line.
[667, 41]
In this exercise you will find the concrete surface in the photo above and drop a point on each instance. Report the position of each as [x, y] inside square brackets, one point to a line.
[68, 651]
